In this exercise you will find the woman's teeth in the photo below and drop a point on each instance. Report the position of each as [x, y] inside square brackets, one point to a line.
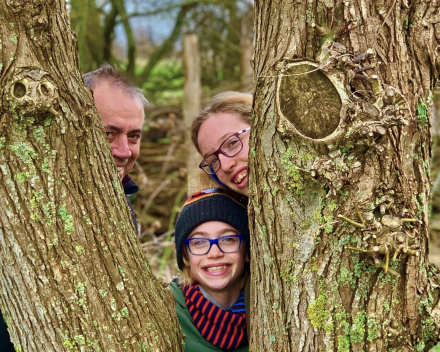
[240, 176]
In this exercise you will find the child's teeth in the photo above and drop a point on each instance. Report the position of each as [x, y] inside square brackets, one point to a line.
[215, 268]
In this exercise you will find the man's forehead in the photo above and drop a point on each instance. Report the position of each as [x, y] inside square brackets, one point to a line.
[106, 88]
[112, 126]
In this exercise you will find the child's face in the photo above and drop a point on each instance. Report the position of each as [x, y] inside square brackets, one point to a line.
[217, 271]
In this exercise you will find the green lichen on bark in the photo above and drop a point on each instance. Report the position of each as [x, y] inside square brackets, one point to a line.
[67, 218]
[318, 312]
[22, 177]
[24, 151]
[292, 173]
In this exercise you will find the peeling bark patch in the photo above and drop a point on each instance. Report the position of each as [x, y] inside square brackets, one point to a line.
[302, 96]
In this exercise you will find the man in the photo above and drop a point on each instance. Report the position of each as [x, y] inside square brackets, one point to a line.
[121, 107]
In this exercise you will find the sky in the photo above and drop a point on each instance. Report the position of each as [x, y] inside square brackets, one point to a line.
[159, 26]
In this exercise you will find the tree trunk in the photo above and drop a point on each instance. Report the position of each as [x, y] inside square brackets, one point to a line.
[73, 273]
[339, 176]
[246, 73]
[192, 92]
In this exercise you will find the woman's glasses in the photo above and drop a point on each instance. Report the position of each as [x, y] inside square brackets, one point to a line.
[230, 147]
[227, 244]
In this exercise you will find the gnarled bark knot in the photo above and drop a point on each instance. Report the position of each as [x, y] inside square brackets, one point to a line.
[31, 92]
[303, 89]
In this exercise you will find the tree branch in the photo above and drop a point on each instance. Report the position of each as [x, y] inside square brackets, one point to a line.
[171, 7]
[119, 4]
[109, 25]
[167, 45]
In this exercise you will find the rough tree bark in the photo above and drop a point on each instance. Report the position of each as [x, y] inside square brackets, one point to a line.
[73, 273]
[339, 176]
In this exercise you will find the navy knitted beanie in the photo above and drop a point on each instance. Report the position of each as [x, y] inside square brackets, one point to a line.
[212, 204]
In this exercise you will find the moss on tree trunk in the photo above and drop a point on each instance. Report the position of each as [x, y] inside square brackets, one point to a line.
[73, 273]
[339, 176]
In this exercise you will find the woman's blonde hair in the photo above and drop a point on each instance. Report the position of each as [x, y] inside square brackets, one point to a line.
[226, 102]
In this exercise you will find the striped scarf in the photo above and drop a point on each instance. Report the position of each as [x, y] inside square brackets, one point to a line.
[222, 328]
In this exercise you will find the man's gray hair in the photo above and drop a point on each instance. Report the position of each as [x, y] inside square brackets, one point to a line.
[109, 74]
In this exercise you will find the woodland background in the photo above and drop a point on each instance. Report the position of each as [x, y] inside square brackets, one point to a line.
[144, 39]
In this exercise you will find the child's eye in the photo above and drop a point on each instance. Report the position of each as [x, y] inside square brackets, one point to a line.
[199, 242]
[229, 239]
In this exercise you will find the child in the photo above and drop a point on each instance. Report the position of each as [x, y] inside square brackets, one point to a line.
[212, 237]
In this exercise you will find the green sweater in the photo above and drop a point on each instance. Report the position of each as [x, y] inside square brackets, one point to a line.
[194, 342]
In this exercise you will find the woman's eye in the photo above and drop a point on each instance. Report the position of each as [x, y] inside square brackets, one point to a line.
[233, 143]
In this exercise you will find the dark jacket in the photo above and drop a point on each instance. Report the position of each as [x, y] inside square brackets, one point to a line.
[130, 188]
[194, 342]
[5, 342]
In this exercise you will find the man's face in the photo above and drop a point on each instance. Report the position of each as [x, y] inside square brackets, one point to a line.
[122, 117]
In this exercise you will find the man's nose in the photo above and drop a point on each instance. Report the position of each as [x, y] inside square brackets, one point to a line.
[120, 147]
[226, 163]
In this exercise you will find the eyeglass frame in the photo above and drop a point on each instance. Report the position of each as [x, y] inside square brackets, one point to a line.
[214, 241]
[219, 151]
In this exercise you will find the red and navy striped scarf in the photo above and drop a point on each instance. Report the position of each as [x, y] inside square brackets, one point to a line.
[222, 328]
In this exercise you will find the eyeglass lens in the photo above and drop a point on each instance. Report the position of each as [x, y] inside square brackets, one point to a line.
[230, 147]
[227, 244]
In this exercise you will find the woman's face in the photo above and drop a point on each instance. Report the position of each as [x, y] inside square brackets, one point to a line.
[233, 171]
[216, 271]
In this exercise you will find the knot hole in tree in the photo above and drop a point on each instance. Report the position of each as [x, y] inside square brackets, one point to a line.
[19, 90]
[32, 92]
[310, 101]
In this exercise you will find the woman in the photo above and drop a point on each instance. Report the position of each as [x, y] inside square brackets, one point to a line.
[221, 135]
[211, 235]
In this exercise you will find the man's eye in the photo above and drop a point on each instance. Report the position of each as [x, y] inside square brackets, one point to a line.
[134, 137]
[109, 134]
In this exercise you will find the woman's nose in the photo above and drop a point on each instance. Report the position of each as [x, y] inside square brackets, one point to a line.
[226, 163]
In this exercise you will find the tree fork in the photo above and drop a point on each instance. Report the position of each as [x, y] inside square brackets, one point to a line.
[73, 273]
[340, 179]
